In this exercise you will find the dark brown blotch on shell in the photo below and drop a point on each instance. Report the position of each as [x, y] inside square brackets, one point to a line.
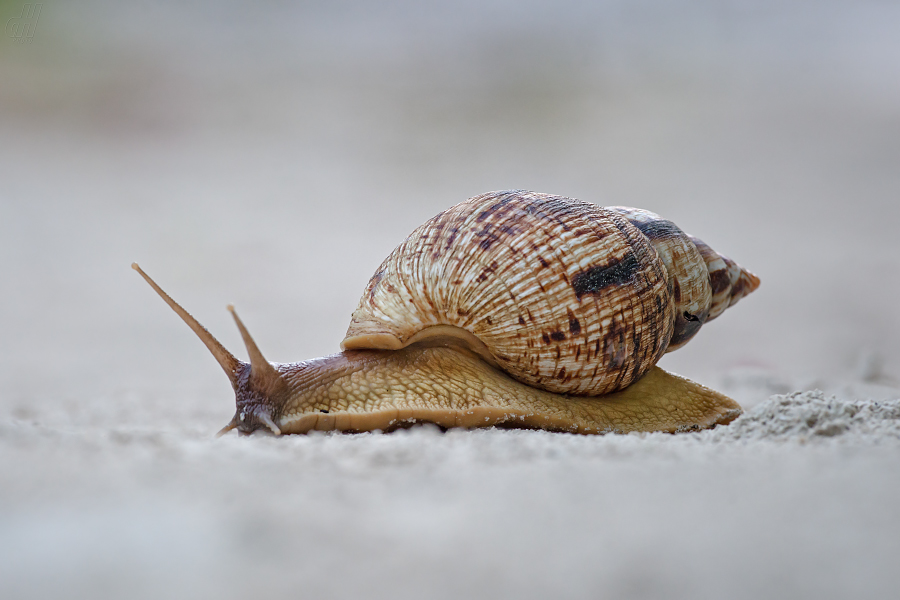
[719, 281]
[508, 229]
[657, 229]
[496, 207]
[454, 231]
[487, 241]
[737, 289]
[486, 272]
[598, 278]
[574, 325]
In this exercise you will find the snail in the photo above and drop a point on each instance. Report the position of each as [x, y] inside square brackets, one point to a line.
[511, 309]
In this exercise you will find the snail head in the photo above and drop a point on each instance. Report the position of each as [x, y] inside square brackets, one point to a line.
[260, 389]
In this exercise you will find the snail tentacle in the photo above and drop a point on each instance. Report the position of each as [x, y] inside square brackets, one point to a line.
[225, 358]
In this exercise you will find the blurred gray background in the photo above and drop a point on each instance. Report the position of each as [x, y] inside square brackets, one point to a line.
[270, 154]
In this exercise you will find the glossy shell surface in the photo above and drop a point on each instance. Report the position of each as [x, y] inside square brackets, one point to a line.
[565, 295]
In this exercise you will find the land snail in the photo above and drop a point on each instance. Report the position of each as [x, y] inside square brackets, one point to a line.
[511, 309]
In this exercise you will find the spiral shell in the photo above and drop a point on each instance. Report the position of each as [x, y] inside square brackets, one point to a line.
[561, 294]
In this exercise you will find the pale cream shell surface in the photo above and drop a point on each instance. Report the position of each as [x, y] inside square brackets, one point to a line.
[564, 295]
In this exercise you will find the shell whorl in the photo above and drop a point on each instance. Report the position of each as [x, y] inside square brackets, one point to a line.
[561, 294]
[704, 283]
[688, 276]
[567, 296]
[729, 282]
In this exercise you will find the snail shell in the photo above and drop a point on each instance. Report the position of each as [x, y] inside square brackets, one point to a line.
[513, 308]
[561, 294]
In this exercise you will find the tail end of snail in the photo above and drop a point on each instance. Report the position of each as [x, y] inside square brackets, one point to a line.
[663, 401]
[225, 358]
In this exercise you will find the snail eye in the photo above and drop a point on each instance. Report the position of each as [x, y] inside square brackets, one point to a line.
[689, 317]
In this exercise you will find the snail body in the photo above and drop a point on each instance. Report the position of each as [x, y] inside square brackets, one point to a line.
[512, 308]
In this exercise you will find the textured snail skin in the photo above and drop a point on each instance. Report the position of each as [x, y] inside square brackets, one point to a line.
[381, 390]
[512, 309]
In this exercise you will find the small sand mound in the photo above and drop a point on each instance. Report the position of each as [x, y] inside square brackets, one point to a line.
[812, 414]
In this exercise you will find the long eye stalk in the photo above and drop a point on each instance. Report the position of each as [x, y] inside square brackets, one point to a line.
[225, 358]
[264, 381]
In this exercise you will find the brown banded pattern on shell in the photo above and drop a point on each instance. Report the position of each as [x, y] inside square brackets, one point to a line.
[704, 283]
[729, 282]
[691, 290]
[566, 296]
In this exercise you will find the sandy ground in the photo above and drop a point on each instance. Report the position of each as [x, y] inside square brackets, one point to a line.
[272, 157]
